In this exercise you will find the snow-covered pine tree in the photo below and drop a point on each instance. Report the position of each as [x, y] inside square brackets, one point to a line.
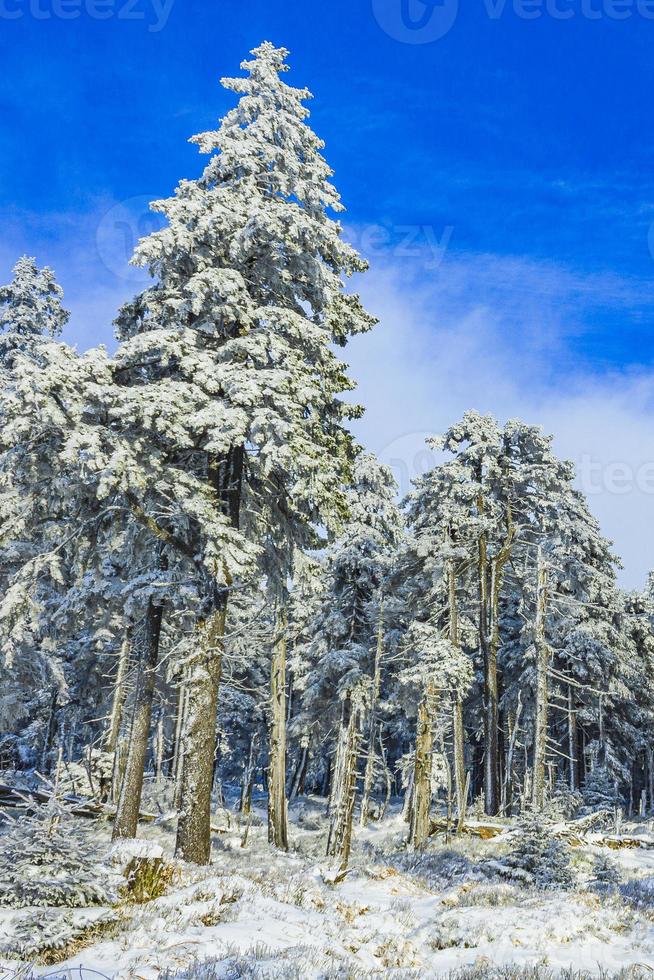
[337, 671]
[30, 307]
[31, 313]
[539, 859]
[230, 382]
[49, 862]
[606, 874]
[435, 667]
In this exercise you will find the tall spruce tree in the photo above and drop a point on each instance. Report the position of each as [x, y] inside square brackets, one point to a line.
[231, 385]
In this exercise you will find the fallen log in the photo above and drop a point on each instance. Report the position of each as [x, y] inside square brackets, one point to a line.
[22, 798]
[485, 831]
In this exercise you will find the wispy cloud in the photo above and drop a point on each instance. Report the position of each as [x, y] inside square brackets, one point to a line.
[495, 334]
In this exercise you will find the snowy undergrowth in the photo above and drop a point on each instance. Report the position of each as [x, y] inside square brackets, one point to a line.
[258, 913]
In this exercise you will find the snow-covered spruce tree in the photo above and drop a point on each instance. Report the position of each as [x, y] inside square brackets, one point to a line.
[568, 604]
[439, 582]
[30, 308]
[600, 791]
[49, 861]
[539, 859]
[435, 667]
[606, 875]
[231, 386]
[338, 670]
[32, 680]
[479, 520]
[79, 565]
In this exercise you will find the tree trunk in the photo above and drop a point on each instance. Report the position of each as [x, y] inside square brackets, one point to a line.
[542, 658]
[459, 761]
[248, 778]
[369, 774]
[277, 807]
[129, 803]
[180, 725]
[344, 784]
[514, 728]
[199, 740]
[299, 776]
[488, 653]
[572, 742]
[387, 776]
[422, 774]
[458, 730]
[115, 718]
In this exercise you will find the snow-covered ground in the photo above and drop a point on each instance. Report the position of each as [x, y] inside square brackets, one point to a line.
[264, 914]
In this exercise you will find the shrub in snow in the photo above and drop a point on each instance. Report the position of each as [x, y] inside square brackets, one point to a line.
[606, 877]
[436, 868]
[450, 934]
[539, 859]
[40, 933]
[639, 892]
[565, 803]
[48, 862]
[600, 791]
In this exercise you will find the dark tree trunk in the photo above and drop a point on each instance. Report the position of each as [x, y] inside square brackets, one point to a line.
[199, 740]
[129, 803]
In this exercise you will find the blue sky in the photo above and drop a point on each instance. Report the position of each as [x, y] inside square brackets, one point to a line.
[495, 158]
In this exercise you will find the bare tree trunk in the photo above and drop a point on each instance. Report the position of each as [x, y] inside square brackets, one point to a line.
[490, 675]
[297, 784]
[159, 747]
[180, 724]
[407, 805]
[458, 730]
[199, 741]
[514, 728]
[387, 776]
[369, 774]
[459, 761]
[129, 803]
[542, 657]
[489, 641]
[115, 718]
[277, 807]
[344, 784]
[572, 742]
[248, 778]
[422, 774]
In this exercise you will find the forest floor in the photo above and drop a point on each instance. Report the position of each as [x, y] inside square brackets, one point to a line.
[259, 913]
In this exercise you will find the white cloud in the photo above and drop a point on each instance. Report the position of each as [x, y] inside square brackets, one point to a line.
[491, 335]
